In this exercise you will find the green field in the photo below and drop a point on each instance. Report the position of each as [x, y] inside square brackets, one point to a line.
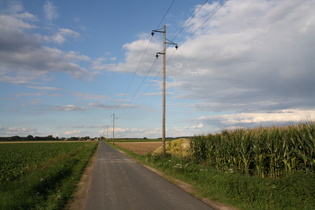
[41, 175]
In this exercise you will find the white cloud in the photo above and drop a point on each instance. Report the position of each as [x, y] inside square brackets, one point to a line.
[68, 108]
[43, 88]
[24, 59]
[60, 36]
[111, 107]
[200, 125]
[27, 16]
[75, 56]
[251, 55]
[17, 131]
[51, 11]
[72, 133]
[133, 132]
[260, 118]
[14, 23]
[133, 56]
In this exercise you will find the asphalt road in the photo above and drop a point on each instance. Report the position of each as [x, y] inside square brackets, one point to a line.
[120, 183]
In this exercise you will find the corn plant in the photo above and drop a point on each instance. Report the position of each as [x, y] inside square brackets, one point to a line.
[264, 151]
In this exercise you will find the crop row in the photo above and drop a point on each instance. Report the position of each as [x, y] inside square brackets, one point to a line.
[264, 151]
[18, 159]
[41, 175]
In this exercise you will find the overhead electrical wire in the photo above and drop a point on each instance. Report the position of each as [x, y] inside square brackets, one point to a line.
[190, 19]
[128, 106]
[212, 14]
[140, 62]
[165, 14]
[125, 111]
[134, 74]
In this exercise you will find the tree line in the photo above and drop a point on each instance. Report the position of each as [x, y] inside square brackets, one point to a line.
[44, 138]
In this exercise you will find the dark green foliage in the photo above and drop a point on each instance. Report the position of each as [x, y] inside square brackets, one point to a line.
[45, 174]
[265, 152]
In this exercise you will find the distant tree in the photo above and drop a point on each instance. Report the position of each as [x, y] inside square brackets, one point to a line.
[145, 138]
[74, 138]
[37, 138]
[29, 138]
[15, 138]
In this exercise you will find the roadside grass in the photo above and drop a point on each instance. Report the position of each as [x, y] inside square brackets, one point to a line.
[48, 183]
[291, 191]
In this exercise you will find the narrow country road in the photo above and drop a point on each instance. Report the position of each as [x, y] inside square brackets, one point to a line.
[120, 183]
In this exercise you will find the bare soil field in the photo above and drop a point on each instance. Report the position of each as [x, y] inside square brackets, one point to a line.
[141, 148]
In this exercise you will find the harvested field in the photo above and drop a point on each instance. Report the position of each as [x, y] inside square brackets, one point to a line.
[141, 148]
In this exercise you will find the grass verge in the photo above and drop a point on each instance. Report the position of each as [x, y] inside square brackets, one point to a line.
[293, 191]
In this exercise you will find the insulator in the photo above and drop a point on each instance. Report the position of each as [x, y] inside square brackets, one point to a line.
[157, 56]
[176, 47]
[152, 34]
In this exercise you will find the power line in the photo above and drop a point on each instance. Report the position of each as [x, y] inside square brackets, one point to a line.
[193, 16]
[205, 22]
[145, 51]
[128, 107]
[134, 74]
[212, 14]
[165, 14]
[190, 19]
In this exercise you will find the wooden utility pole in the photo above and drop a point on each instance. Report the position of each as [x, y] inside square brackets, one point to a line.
[113, 115]
[163, 84]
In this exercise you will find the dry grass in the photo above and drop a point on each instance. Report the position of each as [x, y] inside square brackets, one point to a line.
[141, 148]
[177, 148]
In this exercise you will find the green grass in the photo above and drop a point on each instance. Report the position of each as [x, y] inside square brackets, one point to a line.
[41, 175]
[261, 168]
[294, 191]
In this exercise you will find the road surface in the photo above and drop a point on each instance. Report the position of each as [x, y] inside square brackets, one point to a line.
[120, 183]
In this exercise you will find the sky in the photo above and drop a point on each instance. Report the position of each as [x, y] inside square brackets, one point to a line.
[78, 67]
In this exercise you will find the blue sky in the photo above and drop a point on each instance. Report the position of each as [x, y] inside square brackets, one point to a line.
[67, 66]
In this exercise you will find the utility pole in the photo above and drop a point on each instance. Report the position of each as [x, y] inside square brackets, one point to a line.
[113, 115]
[163, 83]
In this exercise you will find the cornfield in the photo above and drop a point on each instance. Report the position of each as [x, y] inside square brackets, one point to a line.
[264, 151]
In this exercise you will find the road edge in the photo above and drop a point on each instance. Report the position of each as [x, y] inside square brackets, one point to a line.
[190, 189]
[79, 199]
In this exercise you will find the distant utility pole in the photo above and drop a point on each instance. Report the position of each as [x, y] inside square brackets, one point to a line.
[113, 115]
[163, 83]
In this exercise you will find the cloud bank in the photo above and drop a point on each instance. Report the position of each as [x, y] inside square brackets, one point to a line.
[23, 57]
